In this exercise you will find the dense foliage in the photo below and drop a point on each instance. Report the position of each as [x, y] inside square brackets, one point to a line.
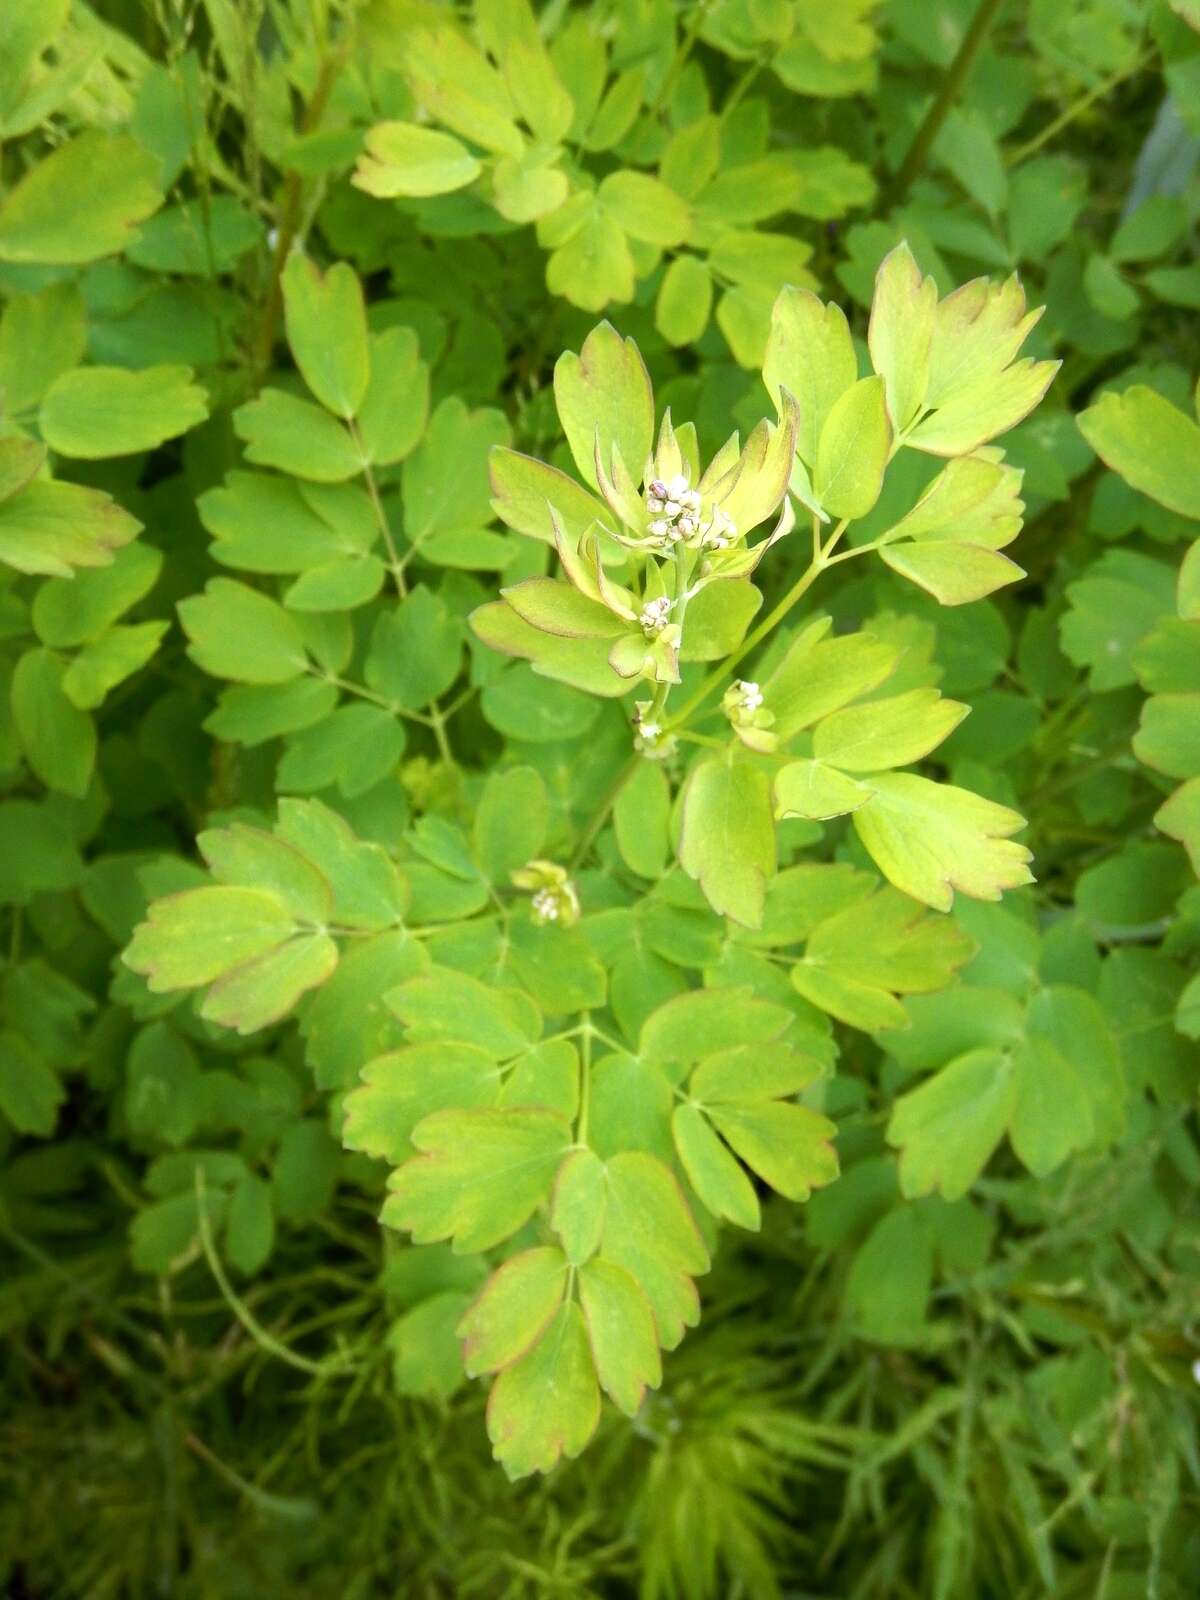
[601, 755]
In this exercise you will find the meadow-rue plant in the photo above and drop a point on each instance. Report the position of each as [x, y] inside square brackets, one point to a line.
[598, 636]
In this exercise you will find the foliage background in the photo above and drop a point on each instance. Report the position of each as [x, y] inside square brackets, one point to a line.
[991, 1395]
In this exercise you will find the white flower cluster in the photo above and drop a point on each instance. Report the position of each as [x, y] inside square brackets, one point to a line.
[674, 509]
[548, 904]
[749, 696]
[654, 615]
[676, 515]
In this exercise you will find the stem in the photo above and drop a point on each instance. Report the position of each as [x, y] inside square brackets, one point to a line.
[754, 638]
[585, 1078]
[1065, 118]
[238, 1306]
[385, 527]
[682, 54]
[289, 221]
[918, 151]
[600, 815]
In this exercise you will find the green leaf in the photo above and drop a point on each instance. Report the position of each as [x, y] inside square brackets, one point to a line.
[1150, 442]
[1051, 1113]
[649, 1231]
[641, 818]
[327, 331]
[266, 990]
[251, 858]
[393, 413]
[304, 1171]
[57, 739]
[441, 1003]
[402, 1087]
[948, 1127]
[819, 675]
[80, 202]
[557, 967]
[703, 1021]
[199, 237]
[403, 158]
[954, 574]
[415, 650]
[524, 490]
[892, 732]
[250, 1225]
[594, 265]
[510, 32]
[971, 501]
[51, 528]
[901, 333]
[546, 1405]
[579, 663]
[513, 1310]
[189, 939]
[524, 705]
[811, 355]
[283, 431]
[426, 1360]
[236, 632]
[932, 838]
[95, 412]
[455, 83]
[605, 402]
[445, 479]
[647, 209]
[354, 748]
[42, 336]
[1119, 600]
[786, 1145]
[68, 612]
[368, 892]
[620, 1328]
[164, 1096]
[852, 451]
[890, 1278]
[684, 301]
[578, 1208]
[727, 841]
[1070, 1023]
[511, 821]
[712, 1171]
[559, 608]
[993, 404]
[480, 1175]
[1179, 818]
[811, 789]
[1168, 736]
[30, 1091]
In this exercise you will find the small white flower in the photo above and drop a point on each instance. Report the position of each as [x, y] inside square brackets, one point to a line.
[751, 696]
[653, 503]
[653, 618]
[650, 731]
[678, 486]
[659, 529]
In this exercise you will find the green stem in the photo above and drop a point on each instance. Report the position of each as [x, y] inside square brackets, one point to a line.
[585, 1078]
[756, 636]
[1065, 118]
[289, 222]
[600, 815]
[239, 1308]
[956, 75]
